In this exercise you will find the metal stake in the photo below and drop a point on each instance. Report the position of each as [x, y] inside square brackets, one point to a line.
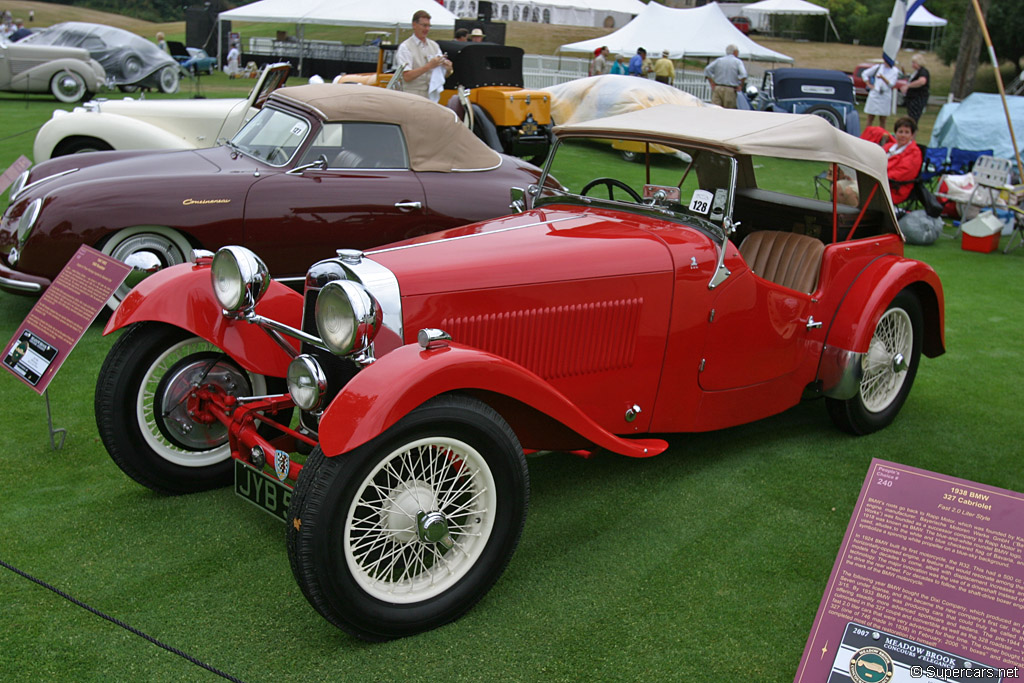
[49, 421]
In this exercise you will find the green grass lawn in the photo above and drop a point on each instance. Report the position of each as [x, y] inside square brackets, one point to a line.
[704, 563]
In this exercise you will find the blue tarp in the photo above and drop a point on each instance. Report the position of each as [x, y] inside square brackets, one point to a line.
[979, 122]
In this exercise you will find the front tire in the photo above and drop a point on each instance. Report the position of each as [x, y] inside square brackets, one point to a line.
[410, 530]
[68, 87]
[80, 145]
[146, 252]
[169, 79]
[142, 412]
[888, 367]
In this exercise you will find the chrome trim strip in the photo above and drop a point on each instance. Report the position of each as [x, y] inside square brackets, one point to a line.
[25, 188]
[17, 285]
[840, 372]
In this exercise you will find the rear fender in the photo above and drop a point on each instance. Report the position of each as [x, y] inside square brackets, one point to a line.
[119, 132]
[183, 296]
[382, 393]
[853, 325]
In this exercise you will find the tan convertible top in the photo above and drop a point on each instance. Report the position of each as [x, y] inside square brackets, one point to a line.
[437, 140]
[739, 133]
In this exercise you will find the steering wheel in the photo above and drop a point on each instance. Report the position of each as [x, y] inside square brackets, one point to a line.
[277, 152]
[611, 183]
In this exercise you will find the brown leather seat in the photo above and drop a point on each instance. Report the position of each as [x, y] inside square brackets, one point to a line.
[785, 258]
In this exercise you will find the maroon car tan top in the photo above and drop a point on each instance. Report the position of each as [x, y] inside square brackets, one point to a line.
[437, 141]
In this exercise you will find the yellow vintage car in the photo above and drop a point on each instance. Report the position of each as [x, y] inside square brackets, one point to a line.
[486, 90]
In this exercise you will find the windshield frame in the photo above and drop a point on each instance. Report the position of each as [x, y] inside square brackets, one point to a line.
[241, 145]
[675, 211]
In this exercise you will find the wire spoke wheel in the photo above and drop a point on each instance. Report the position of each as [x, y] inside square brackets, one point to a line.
[885, 363]
[409, 530]
[420, 520]
[887, 369]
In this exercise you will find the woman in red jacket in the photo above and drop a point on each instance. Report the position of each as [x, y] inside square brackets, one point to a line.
[904, 159]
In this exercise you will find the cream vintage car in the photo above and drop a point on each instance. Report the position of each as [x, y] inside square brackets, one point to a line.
[67, 73]
[131, 124]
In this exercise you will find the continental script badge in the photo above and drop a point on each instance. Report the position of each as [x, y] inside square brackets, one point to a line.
[871, 665]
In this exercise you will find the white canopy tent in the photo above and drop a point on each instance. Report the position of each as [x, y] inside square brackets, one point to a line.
[698, 32]
[379, 13]
[923, 18]
[559, 12]
[760, 13]
[392, 14]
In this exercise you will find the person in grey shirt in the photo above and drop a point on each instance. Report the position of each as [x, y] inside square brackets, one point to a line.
[726, 75]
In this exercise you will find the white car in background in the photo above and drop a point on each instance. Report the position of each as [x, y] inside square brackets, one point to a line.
[67, 73]
[128, 124]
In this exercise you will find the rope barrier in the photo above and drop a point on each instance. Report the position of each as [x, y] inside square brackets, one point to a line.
[120, 623]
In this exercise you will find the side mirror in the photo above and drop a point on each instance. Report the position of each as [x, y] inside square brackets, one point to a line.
[319, 164]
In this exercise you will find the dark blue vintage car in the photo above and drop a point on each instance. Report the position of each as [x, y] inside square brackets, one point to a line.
[821, 92]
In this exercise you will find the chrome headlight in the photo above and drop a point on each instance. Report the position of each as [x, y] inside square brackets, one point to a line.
[28, 219]
[16, 186]
[306, 382]
[347, 317]
[240, 278]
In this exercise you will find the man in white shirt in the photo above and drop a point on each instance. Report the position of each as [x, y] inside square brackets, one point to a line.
[421, 56]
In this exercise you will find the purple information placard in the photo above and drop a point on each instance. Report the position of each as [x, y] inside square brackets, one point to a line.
[13, 171]
[57, 322]
[929, 564]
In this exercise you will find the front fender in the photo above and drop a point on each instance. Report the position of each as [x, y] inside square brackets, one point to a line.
[853, 325]
[120, 132]
[37, 78]
[381, 394]
[182, 296]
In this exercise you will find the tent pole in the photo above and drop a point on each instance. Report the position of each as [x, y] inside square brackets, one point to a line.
[999, 82]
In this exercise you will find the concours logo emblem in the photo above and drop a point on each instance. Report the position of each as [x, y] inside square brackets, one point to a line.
[871, 665]
[281, 465]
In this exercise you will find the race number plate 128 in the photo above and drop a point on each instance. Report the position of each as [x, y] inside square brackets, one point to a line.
[263, 491]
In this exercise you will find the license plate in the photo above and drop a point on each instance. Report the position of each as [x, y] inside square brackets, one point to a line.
[262, 490]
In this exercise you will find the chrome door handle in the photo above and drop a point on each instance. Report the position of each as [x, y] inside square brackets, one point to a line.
[812, 323]
[408, 206]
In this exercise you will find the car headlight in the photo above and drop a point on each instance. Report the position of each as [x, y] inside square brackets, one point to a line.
[240, 278]
[17, 185]
[347, 317]
[28, 219]
[306, 382]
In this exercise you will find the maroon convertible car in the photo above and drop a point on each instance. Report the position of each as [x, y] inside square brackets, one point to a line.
[319, 166]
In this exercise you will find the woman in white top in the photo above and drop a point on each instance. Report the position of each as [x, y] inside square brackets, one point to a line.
[883, 79]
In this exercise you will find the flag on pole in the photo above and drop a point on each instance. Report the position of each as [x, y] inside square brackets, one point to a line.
[901, 11]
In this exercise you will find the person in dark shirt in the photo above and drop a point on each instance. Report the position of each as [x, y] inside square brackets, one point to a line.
[19, 31]
[916, 91]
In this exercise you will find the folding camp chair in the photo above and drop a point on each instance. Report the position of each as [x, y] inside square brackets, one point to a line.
[1008, 195]
[962, 160]
[991, 179]
[934, 163]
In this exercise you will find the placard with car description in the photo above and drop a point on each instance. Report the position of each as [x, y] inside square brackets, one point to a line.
[928, 584]
[63, 313]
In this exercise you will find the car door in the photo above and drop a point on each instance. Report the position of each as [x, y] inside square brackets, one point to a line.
[366, 196]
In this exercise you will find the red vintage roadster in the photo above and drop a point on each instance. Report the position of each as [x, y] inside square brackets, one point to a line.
[692, 292]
